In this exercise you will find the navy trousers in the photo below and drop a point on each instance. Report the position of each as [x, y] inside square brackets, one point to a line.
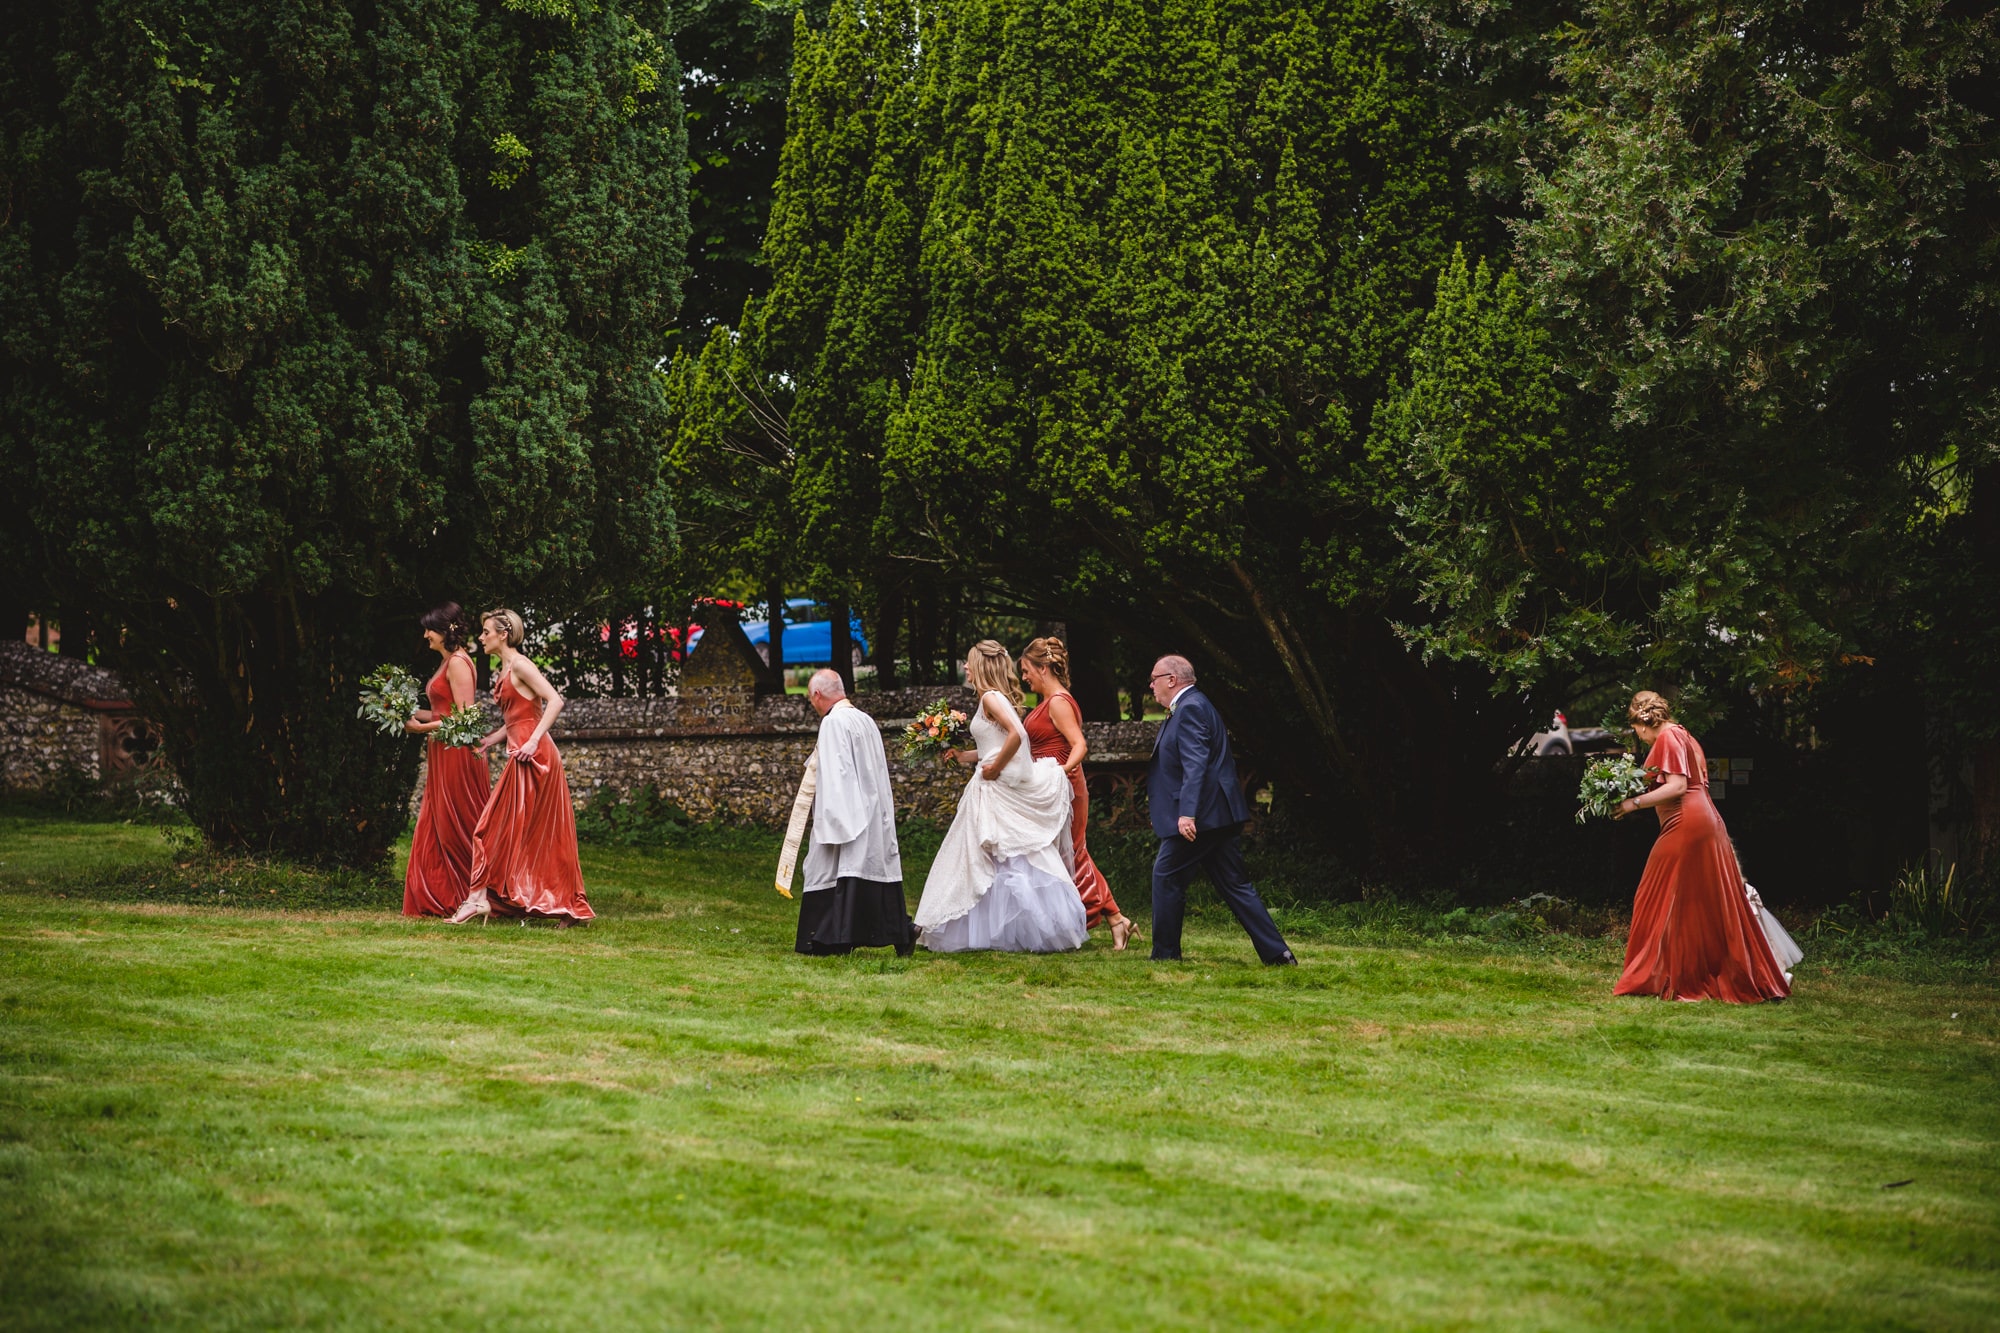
[1220, 853]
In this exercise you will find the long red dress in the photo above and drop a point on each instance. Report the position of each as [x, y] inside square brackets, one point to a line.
[455, 786]
[1694, 936]
[1045, 742]
[524, 850]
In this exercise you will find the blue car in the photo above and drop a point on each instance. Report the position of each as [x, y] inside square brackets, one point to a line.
[808, 641]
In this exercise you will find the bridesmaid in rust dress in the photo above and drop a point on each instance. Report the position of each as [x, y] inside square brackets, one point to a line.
[455, 779]
[524, 849]
[1055, 731]
[1694, 936]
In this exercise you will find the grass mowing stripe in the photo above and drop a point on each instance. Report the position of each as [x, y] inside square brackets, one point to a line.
[236, 1117]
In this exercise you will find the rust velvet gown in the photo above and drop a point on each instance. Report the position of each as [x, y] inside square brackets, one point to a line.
[455, 786]
[524, 850]
[1045, 742]
[1694, 936]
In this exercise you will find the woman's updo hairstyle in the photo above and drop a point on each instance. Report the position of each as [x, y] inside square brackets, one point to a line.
[989, 666]
[517, 629]
[1649, 710]
[447, 621]
[1049, 655]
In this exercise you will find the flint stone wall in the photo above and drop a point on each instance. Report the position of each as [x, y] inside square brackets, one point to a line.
[738, 759]
[61, 719]
[44, 740]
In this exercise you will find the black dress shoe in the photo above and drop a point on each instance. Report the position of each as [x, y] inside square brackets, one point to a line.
[1285, 961]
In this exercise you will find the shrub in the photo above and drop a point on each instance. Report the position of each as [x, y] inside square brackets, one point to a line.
[207, 879]
[1933, 898]
[640, 818]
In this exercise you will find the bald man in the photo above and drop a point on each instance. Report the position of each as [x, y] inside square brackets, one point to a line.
[1198, 815]
[854, 870]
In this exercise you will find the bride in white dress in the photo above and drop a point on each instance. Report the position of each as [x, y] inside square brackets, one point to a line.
[1002, 879]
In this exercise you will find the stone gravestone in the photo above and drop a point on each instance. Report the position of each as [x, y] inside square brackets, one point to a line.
[719, 678]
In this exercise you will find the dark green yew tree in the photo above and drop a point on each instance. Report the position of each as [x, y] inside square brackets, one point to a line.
[1757, 243]
[778, 424]
[1492, 492]
[311, 313]
[736, 59]
[1171, 256]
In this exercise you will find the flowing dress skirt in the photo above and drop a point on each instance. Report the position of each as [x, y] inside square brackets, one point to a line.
[455, 790]
[1001, 879]
[1098, 904]
[1694, 934]
[524, 849]
[1046, 742]
[1783, 947]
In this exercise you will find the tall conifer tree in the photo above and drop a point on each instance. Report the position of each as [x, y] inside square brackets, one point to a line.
[314, 312]
[1171, 254]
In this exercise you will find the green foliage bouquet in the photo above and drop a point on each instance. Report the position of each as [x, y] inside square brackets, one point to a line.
[390, 696]
[935, 730]
[463, 727]
[1607, 782]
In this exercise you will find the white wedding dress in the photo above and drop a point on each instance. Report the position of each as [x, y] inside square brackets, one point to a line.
[1002, 880]
[1783, 947]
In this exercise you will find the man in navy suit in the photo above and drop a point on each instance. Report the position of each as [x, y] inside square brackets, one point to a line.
[1198, 813]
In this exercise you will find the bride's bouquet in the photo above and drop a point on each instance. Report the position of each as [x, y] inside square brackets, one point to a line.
[463, 727]
[1607, 783]
[389, 697]
[935, 730]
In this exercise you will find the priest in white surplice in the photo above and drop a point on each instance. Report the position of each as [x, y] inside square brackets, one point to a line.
[854, 870]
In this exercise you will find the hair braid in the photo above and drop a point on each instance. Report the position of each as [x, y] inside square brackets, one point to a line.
[1649, 710]
[1049, 655]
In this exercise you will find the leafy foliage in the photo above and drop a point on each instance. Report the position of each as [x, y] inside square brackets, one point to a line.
[1935, 899]
[1494, 491]
[737, 62]
[389, 696]
[311, 313]
[1609, 783]
[1095, 328]
[1755, 240]
[464, 726]
[642, 818]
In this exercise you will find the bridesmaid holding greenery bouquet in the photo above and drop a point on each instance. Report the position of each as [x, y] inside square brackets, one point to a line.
[1695, 934]
[455, 780]
[524, 860]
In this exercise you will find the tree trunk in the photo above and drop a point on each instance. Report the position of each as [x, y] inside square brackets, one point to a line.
[14, 616]
[650, 652]
[923, 637]
[774, 671]
[843, 642]
[1140, 687]
[888, 627]
[255, 698]
[615, 640]
[1090, 675]
[1985, 829]
[75, 627]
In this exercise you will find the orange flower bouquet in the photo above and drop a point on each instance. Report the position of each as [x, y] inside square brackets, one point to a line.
[935, 730]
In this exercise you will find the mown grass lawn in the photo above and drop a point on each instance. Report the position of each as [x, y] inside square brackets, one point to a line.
[221, 1117]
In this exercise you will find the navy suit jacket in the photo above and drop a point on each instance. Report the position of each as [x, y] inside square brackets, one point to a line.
[1193, 773]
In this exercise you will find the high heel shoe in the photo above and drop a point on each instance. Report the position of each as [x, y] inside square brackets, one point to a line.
[475, 905]
[1123, 931]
